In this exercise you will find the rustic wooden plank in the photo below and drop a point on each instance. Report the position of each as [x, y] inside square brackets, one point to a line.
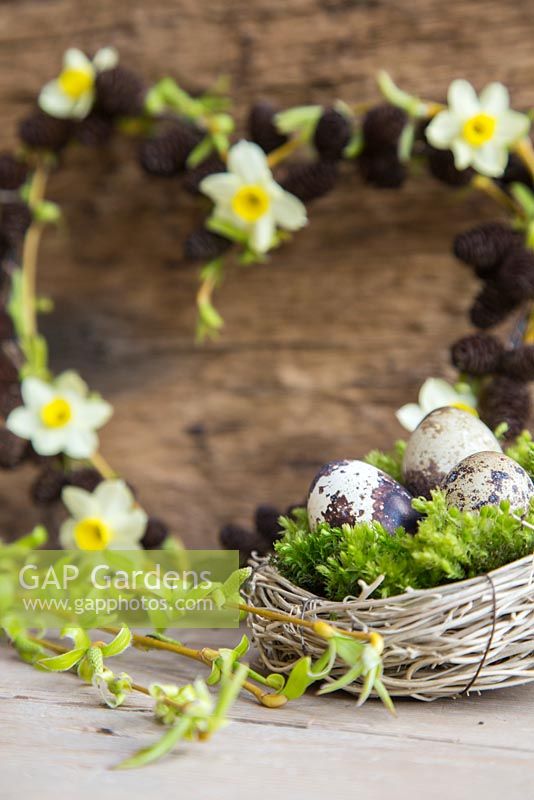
[54, 732]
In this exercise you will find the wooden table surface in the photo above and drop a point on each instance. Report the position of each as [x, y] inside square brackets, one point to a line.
[56, 741]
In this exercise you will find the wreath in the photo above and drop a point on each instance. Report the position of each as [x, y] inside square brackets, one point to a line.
[256, 191]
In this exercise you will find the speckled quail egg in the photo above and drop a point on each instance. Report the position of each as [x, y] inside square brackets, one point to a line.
[442, 440]
[353, 491]
[484, 479]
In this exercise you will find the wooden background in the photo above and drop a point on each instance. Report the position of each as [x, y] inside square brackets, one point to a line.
[323, 343]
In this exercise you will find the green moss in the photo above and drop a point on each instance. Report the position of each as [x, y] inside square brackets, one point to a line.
[449, 545]
[522, 451]
[388, 462]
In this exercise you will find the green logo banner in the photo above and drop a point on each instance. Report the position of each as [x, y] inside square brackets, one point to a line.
[139, 588]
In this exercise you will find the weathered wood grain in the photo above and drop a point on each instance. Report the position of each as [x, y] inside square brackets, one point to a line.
[325, 341]
[54, 735]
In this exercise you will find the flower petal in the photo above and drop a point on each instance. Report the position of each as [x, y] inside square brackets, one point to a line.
[494, 99]
[442, 130]
[76, 59]
[248, 161]
[462, 99]
[36, 393]
[22, 422]
[410, 416]
[113, 497]
[511, 126]
[262, 234]
[289, 212]
[491, 159]
[79, 502]
[95, 413]
[435, 393]
[83, 105]
[70, 381]
[80, 442]
[463, 154]
[66, 534]
[131, 529]
[49, 441]
[105, 58]
[54, 101]
[220, 187]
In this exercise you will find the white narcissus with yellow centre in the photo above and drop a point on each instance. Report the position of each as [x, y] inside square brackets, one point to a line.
[435, 393]
[59, 417]
[480, 130]
[71, 95]
[248, 198]
[107, 518]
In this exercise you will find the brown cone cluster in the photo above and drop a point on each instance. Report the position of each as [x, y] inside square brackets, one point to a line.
[379, 161]
[260, 538]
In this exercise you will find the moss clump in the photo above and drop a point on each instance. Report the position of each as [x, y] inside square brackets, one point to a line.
[450, 545]
[389, 462]
[522, 451]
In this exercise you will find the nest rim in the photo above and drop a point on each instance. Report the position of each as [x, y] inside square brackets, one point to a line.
[476, 638]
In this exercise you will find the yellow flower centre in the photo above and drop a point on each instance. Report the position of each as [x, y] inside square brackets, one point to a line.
[479, 129]
[466, 407]
[75, 82]
[92, 533]
[57, 413]
[251, 202]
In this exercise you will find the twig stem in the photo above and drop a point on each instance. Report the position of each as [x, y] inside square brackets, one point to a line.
[30, 250]
[490, 188]
[278, 616]
[525, 151]
[206, 656]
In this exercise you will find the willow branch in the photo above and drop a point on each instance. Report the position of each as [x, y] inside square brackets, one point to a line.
[30, 251]
[205, 656]
[492, 190]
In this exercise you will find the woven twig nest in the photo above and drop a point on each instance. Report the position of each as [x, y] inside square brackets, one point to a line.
[476, 634]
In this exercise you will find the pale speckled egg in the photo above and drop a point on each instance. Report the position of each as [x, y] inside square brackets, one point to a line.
[484, 479]
[445, 437]
[353, 491]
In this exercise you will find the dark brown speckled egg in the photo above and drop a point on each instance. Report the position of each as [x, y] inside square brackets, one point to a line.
[440, 441]
[485, 479]
[353, 491]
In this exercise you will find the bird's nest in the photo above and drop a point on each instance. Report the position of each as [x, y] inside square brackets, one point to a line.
[476, 634]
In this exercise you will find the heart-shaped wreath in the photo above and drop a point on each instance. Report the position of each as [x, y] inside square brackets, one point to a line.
[259, 187]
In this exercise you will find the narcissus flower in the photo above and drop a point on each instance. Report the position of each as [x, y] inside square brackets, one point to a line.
[435, 393]
[71, 95]
[478, 129]
[248, 198]
[59, 417]
[107, 518]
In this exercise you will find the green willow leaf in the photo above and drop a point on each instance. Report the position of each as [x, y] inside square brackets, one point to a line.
[383, 694]
[200, 153]
[275, 681]
[119, 644]
[349, 677]
[227, 696]
[160, 748]
[242, 647]
[63, 662]
[79, 637]
[368, 685]
[350, 650]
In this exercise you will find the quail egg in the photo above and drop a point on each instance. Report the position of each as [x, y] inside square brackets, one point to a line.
[442, 440]
[353, 491]
[484, 479]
